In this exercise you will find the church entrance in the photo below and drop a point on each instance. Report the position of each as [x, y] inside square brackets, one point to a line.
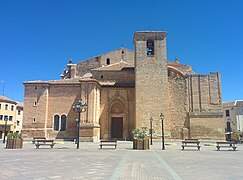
[117, 127]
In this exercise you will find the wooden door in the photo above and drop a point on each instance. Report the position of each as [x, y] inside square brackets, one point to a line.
[117, 127]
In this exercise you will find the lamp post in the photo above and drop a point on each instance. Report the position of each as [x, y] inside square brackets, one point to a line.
[5, 126]
[79, 107]
[151, 131]
[163, 137]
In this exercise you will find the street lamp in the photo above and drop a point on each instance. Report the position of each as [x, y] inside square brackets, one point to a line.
[79, 107]
[5, 126]
[163, 137]
[151, 131]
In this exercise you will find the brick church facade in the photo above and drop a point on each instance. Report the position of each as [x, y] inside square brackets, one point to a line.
[123, 90]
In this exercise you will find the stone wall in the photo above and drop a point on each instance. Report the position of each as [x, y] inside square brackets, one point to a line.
[207, 125]
[124, 96]
[205, 92]
[61, 99]
[35, 110]
[178, 119]
[125, 77]
[57, 99]
[118, 55]
[98, 61]
[151, 81]
[205, 106]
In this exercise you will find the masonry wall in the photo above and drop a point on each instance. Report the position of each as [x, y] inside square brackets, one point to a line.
[123, 77]
[205, 92]
[207, 126]
[57, 99]
[117, 55]
[151, 81]
[61, 99]
[178, 124]
[36, 107]
[108, 97]
[205, 106]
[98, 61]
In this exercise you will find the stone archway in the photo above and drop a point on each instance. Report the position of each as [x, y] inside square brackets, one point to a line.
[117, 119]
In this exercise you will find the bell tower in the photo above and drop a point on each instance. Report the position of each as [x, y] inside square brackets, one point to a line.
[151, 77]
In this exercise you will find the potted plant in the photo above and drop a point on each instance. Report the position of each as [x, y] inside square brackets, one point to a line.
[14, 141]
[140, 138]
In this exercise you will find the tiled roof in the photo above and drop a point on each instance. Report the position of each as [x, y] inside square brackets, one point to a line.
[20, 104]
[5, 99]
[114, 67]
[61, 81]
[233, 103]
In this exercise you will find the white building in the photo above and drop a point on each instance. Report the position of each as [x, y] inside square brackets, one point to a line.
[19, 117]
[233, 112]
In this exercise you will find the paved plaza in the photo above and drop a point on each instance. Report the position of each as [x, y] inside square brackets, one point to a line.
[90, 162]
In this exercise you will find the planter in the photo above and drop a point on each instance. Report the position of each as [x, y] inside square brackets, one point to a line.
[141, 144]
[13, 143]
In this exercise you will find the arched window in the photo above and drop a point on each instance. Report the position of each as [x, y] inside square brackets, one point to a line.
[108, 61]
[150, 47]
[63, 123]
[56, 123]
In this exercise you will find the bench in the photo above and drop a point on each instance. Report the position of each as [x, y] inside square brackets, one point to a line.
[191, 143]
[108, 143]
[226, 144]
[44, 142]
[38, 138]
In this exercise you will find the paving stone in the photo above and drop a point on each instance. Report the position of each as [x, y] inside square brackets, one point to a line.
[90, 162]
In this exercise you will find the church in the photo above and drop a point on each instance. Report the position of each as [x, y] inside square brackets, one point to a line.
[126, 89]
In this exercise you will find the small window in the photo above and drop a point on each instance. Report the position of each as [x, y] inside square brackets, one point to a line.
[18, 122]
[0, 106]
[150, 48]
[56, 123]
[10, 118]
[6, 106]
[19, 112]
[35, 103]
[108, 61]
[101, 76]
[34, 120]
[63, 123]
[122, 52]
[1, 117]
[12, 107]
[35, 87]
[5, 118]
[227, 113]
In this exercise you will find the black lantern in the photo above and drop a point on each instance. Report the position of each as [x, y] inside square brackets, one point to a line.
[79, 107]
[151, 131]
[163, 137]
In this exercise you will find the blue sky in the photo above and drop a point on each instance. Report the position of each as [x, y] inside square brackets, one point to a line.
[38, 37]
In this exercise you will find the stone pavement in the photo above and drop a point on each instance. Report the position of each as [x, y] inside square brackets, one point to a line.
[90, 162]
